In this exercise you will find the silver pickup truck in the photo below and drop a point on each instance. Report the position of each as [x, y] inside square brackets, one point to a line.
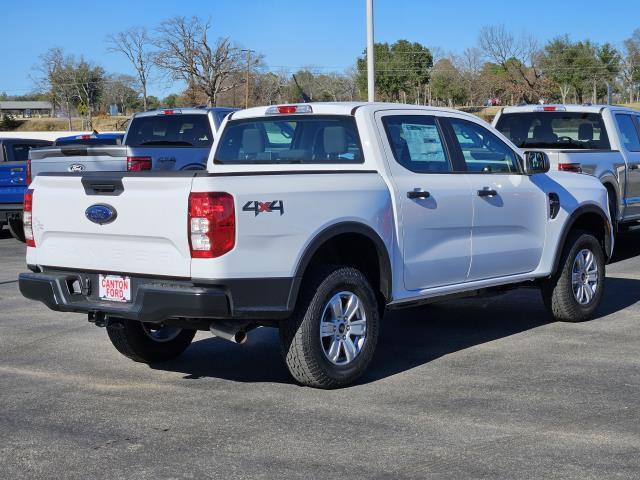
[167, 139]
[600, 140]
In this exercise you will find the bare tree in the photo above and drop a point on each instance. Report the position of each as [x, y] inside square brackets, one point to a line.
[187, 53]
[56, 77]
[518, 57]
[135, 44]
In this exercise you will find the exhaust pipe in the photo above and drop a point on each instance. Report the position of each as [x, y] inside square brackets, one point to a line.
[233, 332]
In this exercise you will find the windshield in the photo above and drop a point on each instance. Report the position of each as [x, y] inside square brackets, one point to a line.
[290, 139]
[570, 130]
[170, 130]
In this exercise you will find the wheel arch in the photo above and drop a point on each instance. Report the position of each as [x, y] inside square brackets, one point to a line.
[340, 234]
[587, 217]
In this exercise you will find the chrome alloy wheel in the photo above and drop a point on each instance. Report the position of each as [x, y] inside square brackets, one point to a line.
[160, 334]
[343, 328]
[584, 277]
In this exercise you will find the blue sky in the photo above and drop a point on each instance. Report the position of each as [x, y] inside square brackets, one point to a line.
[328, 34]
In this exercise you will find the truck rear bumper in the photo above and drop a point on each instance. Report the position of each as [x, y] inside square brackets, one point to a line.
[10, 211]
[155, 300]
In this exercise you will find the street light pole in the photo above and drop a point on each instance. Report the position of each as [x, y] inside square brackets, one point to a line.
[371, 79]
[246, 90]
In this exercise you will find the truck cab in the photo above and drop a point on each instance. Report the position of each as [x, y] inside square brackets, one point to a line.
[599, 140]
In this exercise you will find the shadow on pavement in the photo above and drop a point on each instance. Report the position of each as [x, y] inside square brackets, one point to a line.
[409, 338]
[627, 245]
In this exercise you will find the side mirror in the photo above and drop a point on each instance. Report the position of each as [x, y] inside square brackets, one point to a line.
[536, 162]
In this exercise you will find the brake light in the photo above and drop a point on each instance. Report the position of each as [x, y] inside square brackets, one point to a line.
[167, 112]
[570, 167]
[212, 224]
[284, 109]
[138, 164]
[551, 108]
[27, 218]
[28, 172]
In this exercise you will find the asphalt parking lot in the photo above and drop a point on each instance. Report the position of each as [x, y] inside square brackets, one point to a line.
[482, 388]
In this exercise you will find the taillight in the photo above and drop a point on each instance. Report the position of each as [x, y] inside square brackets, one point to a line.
[212, 224]
[570, 167]
[285, 109]
[138, 164]
[27, 218]
[28, 172]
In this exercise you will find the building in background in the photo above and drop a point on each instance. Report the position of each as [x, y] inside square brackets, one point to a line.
[25, 109]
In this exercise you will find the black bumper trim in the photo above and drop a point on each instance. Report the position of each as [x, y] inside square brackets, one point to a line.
[155, 300]
[10, 211]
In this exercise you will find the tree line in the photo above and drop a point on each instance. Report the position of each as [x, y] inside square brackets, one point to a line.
[502, 67]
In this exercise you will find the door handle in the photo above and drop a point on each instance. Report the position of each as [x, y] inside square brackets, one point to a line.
[486, 192]
[418, 193]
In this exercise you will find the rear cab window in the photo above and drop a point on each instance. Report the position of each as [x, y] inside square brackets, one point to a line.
[629, 135]
[314, 139]
[556, 130]
[177, 130]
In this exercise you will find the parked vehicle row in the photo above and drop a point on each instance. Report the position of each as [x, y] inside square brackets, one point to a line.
[314, 218]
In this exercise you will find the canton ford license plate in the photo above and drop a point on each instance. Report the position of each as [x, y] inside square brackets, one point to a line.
[114, 288]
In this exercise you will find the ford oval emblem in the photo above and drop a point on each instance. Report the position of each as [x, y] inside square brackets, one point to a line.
[101, 213]
[76, 167]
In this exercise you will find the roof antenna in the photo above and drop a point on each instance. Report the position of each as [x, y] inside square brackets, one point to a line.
[304, 96]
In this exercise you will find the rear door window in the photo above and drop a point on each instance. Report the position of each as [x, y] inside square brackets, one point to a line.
[417, 143]
[290, 139]
[188, 130]
[21, 151]
[628, 132]
[483, 152]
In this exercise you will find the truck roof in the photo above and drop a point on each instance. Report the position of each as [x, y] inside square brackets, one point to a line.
[184, 110]
[343, 108]
[565, 108]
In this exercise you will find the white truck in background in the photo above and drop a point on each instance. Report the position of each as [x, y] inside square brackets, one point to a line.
[599, 140]
[315, 218]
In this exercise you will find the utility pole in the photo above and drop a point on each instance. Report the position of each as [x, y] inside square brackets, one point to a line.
[371, 79]
[246, 90]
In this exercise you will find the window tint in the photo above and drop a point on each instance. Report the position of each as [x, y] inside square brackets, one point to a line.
[571, 130]
[628, 133]
[21, 152]
[482, 150]
[170, 130]
[416, 143]
[290, 139]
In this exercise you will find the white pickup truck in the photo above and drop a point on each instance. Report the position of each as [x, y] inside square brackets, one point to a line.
[315, 218]
[600, 140]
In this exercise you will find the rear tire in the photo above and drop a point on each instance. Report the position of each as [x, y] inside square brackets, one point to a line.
[16, 229]
[574, 292]
[148, 343]
[331, 337]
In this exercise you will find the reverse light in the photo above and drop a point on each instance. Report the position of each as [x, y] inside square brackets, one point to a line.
[27, 218]
[212, 224]
[138, 164]
[285, 109]
[570, 167]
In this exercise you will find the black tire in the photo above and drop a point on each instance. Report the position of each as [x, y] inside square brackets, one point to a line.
[302, 346]
[132, 340]
[558, 292]
[16, 229]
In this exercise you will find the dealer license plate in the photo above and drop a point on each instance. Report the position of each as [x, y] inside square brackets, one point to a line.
[114, 288]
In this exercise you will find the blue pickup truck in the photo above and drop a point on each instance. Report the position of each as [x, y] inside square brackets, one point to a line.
[14, 178]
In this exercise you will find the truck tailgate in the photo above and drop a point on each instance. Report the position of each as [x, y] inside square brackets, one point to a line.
[78, 158]
[147, 236]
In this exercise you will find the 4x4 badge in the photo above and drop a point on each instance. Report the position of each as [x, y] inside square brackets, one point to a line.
[264, 207]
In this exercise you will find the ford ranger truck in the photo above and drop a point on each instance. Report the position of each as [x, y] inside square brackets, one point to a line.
[599, 140]
[14, 178]
[166, 139]
[315, 219]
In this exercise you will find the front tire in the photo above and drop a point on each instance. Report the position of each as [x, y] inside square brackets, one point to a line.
[331, 337]
[574, 292]
[146, 342]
